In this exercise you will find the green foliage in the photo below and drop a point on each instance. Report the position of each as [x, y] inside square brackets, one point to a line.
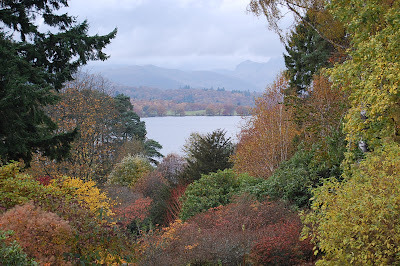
[151, 148]
[36, 64]
[130, 126]
[129, 171]
[213, 190]
[307, 53]
[25, 127]
[356, 221]
[17, 188]
[306, 169]
[207, 153]
[11, 252]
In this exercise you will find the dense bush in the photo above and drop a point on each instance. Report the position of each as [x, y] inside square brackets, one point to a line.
[356, 221]
[213, 190]
[17, 188]
[42, 235]
[294, 178]
[97, 240]
[283, 247]
[228, 235]
[11, 252]
[129, 171]
[206, 154]
[84, 191]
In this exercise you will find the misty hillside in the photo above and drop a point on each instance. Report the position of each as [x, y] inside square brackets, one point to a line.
[248, 75]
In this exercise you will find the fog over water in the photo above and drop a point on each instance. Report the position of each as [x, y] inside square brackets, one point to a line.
[172, 131]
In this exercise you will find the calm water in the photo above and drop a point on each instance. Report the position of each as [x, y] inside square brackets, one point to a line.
[172, 131]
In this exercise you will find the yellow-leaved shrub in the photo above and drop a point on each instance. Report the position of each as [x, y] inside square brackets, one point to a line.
[86, 192]
[356, 221]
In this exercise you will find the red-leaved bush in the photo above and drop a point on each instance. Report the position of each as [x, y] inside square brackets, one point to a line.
[238, 233]
[282, 247]
[136, 211]
[44, 180]
[174, 204]
[42, 235]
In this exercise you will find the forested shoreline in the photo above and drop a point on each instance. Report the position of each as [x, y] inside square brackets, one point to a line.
[313, 179]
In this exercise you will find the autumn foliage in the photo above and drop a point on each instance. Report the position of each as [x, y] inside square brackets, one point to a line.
[237, 233]
[266, 139]
[365, 209]
[42, 235]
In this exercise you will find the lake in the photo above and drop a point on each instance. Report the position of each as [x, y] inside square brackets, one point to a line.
[172, 131]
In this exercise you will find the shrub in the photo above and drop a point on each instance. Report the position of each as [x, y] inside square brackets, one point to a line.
[206, 154]
[129, 171]
[294, 178]
[158, 189]
[84, 191]
[356, 221]
[42, 235]
[136, 211]
[17, 188]
[226, 235]
[96, 238]
[11, 252]
[283, 246]
[213, 190]
[174, 204]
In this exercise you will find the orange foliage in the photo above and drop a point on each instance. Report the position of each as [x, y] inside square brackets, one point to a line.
[92, 113]
[138, 211]
[228, 234]
[322, 111]
[42, 235]
[266, 139]
[174, 205]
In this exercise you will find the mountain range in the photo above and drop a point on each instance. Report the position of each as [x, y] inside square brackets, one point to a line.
[248, 75]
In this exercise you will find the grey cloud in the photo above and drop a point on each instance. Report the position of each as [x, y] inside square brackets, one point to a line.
[180, 33]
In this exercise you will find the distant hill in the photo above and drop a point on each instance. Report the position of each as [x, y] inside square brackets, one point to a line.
[248, 75]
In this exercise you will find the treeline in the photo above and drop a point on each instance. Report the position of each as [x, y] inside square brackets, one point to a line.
[189, 101]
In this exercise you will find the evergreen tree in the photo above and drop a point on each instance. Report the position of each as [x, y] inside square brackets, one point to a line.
[207, 153]
[34, 66]
[307, 52]
[128, 121]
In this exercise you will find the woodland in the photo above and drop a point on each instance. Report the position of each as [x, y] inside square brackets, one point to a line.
[313, 179]
[190, 101]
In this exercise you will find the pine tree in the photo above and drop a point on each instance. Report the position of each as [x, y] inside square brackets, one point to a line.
[34, 66]
[207, 153]
[307, 53]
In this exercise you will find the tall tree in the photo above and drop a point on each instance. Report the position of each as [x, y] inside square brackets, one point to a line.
[128, 121]
[307, 53]
[34, 66]
[371, 76]
[266, 140]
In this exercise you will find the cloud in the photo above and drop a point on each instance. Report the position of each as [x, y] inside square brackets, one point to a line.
[180, 33]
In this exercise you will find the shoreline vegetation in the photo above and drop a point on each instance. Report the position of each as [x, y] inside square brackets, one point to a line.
[194, 113]
[148, 102]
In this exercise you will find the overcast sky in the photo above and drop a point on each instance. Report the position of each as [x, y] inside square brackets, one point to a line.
[185, 34]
